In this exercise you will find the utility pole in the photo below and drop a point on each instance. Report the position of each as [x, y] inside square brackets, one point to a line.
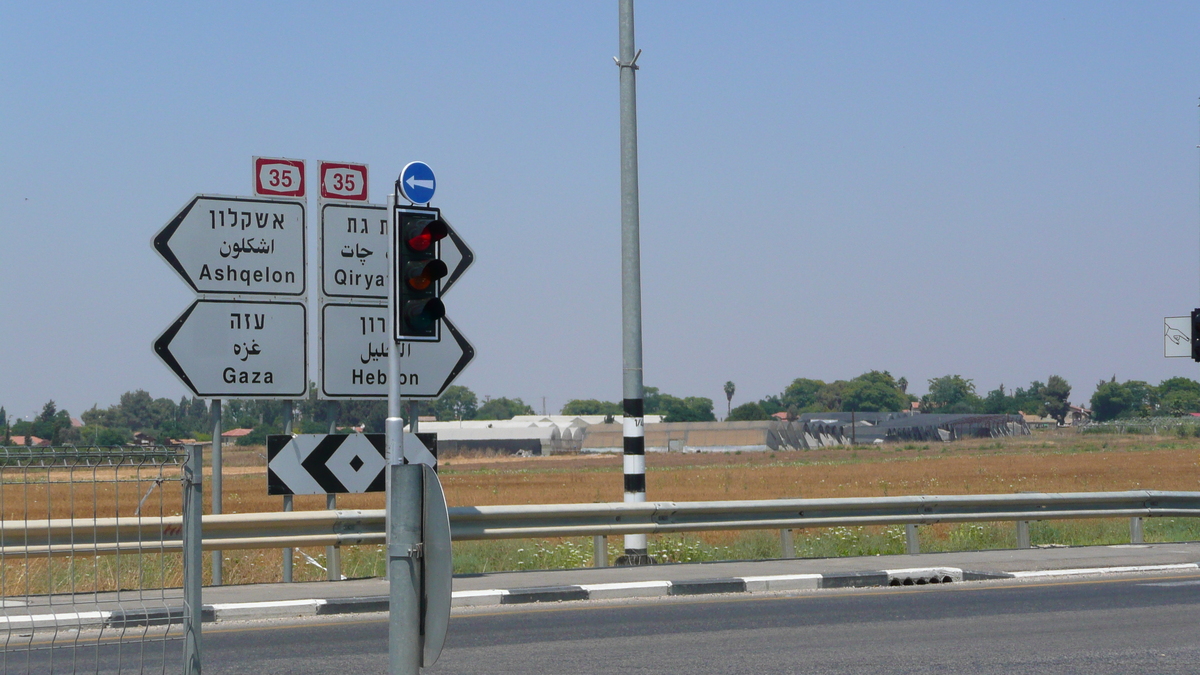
[634, 430]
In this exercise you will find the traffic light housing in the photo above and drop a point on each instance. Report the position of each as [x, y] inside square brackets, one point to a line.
[1196, 334]
[418, 272]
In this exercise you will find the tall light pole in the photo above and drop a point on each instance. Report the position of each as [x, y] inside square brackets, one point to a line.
[634, 430]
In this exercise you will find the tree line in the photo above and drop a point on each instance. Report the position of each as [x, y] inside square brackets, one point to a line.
[879, 391]
[161, 419]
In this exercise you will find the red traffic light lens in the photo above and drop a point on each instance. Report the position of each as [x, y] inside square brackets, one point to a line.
[420, 236]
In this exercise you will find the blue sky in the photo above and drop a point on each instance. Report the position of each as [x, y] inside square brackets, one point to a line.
[1003, 190]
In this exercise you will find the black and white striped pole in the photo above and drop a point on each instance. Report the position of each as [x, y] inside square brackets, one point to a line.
[634, 430]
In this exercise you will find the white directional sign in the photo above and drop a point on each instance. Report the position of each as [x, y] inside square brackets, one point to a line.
[354, 251]
[237, 245]
[1177, 336]
[316, 464]
[355, 347]
[239, 349]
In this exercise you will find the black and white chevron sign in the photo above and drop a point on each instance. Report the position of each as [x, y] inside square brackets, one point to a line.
[318, 464]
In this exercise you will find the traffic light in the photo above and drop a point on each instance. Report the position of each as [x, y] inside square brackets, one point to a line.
[419, 269]
[1196, 334]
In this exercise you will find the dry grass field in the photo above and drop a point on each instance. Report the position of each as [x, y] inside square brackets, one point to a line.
[1049, 461]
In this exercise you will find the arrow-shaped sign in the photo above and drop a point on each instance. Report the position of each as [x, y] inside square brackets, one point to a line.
[457, 259]
[318, 464]
[236, 349]
[237, 245]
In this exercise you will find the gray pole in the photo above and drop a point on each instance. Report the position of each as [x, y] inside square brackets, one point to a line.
[288, 554]
[216, 482]
[333, 554]
[404, 492]
[634, 430]
[193, 557]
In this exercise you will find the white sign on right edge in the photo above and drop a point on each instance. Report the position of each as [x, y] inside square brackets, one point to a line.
[1177, 337]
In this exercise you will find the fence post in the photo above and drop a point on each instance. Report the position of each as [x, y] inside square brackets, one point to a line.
[193, 558]
[216, 483]
[1135, 530]
[912, 540]
[600, 550]
[788, 543]
[1023, 534]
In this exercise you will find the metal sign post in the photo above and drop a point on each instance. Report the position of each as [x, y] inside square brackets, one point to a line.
[418, 527]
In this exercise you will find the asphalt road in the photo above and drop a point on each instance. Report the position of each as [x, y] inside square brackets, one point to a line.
[1144, 625]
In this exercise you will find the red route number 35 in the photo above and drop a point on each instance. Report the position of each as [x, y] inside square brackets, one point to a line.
[340, 180]
[275, 177]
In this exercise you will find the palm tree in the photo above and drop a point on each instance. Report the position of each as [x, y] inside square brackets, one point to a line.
[728, 397]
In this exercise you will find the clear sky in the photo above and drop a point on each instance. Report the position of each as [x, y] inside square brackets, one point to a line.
[999, 190]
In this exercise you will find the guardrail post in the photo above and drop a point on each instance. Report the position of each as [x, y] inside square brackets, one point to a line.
[788, 543]
[600, 550]
[1135, 530]
[193, 558]
[912, 541]
[288, 553]
[333, 554]
[1023, 534]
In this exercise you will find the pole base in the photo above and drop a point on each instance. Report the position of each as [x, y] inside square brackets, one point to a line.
[635, 558]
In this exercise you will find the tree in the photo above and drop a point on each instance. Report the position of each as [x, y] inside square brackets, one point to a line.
[1132, 398]
[49, 410]
[874, 391]
[674, 409]
[1055, 397]
[456, 403]
[1111, 400]
[801, 393]
[747, 412]
[689, 409]
[951, 394]
[502, 409]
[1029, 400]
[1176, 396]
[591, 406]
[830, 398]
[729, 389]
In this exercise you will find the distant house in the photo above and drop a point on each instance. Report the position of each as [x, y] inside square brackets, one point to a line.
[1078, 415]
[34, 441]
[230, 437]
[143, 440]
[1036, 422]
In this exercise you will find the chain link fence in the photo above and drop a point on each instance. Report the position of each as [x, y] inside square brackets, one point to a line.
[91, 560]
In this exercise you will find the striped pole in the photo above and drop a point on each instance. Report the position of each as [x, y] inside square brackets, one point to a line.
[634, 429]
[631, 291]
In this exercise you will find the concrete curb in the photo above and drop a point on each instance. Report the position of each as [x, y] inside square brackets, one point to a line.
[283, 609]
[916, 576]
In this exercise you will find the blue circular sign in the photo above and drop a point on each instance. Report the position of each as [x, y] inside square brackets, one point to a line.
[417, 183]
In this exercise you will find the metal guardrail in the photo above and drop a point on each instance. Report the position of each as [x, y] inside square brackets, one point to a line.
[356, 527]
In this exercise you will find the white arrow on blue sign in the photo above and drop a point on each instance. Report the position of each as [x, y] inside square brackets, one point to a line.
[417, 183]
